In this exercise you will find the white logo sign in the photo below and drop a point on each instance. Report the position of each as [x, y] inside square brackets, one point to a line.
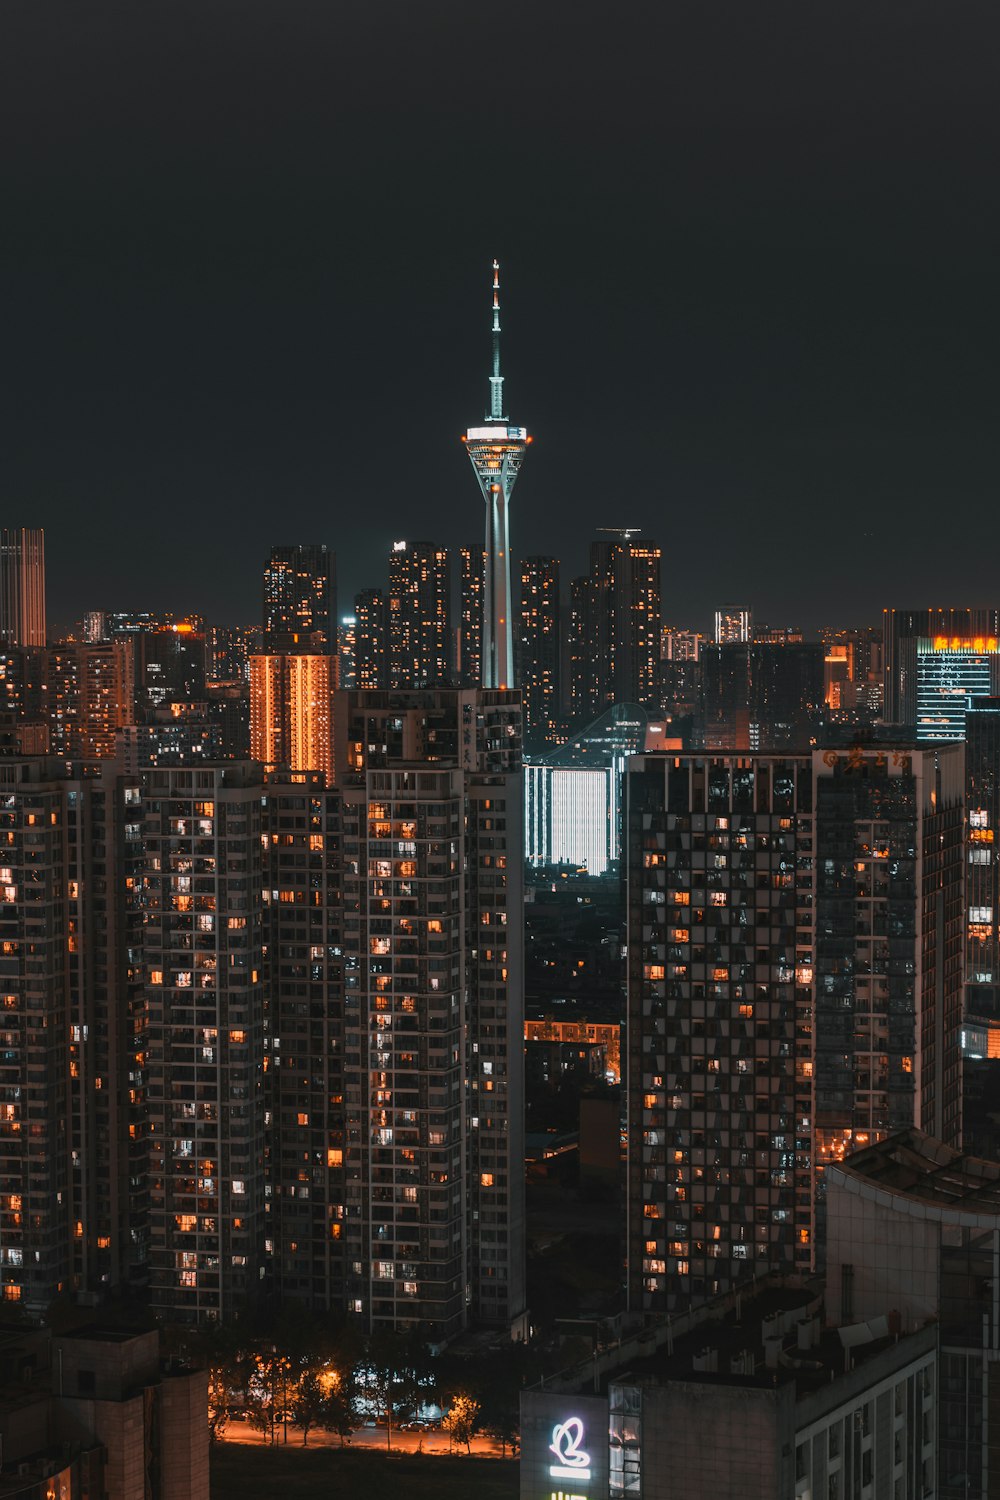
[573, 1462]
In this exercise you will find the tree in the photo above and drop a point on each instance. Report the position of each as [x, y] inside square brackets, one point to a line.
[462, 1418]
[308, 1403]
[338, 1413]
[383, 1356]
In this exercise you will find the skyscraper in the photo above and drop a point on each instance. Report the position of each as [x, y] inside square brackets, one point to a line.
[795, 932]
[290, 711]
[433, 1007]
[203, 950]
[952, 671]
[537, 651]
[371, 666]
[733, 624]
[902, 628]
[22, 586]
[497, 451]
[472, 587]
[616, 625]
[300, 604]
[88, 693]
[420, 651]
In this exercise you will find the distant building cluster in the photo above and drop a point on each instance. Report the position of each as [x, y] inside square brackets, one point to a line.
[262, 1023]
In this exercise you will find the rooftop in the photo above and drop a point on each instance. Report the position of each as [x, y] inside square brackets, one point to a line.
[915, 1166]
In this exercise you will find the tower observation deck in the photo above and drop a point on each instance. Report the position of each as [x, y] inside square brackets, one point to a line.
[497, 451]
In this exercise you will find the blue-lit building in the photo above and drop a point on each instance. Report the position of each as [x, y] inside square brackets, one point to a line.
[951, 671]
[572, 795]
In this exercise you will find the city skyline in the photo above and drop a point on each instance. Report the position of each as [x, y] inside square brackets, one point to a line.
[746, 266]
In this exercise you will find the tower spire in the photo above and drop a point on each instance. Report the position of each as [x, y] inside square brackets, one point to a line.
[496, 379]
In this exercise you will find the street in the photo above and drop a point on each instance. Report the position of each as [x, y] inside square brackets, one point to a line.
[436, 1442]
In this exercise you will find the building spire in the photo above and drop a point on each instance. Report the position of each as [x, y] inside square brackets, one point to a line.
[496, 379]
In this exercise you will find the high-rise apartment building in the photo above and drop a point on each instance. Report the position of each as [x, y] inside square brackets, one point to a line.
[419, 626]
[371, 663]
[88, 696]
[203, 953]
[300, 598]
[308, 1067]
[982, 870]
[433, 1008]
[889, 934]
[902, 629]
[22, 586]
[719, 854]
[733, 625]
[346, 652]
[290, 711]
[795, 928]
[36, 1228]
[228, 652]
[73, 1182]
[472, 586]
[537, 652]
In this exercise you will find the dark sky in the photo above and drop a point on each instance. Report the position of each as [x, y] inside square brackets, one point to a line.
[749, 259]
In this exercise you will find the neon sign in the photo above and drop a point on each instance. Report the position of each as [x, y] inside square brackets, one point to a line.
[573, 1460]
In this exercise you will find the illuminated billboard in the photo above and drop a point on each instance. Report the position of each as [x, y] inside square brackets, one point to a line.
[564, 1447]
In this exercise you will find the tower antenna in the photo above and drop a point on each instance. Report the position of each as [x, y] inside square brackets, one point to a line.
[495, 413]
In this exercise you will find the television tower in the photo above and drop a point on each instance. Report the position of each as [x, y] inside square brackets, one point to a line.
[497, 452]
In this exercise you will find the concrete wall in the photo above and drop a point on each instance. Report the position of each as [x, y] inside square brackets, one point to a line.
[183, 1434]
[894, 1257]
[706, 1441]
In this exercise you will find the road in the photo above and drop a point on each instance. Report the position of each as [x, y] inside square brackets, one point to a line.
[370, 1437]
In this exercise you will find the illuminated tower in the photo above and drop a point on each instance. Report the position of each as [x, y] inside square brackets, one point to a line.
[497, 451]
[22, 586]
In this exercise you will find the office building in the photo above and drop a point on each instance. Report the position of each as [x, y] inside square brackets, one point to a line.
[170, 664]
[733, 625]
[472, 588]
[951, 672]
[537, 651]
[22, 586]
[290, 711]
[433, 1008]
[497, 451]
[795, 990]
[616, 627]
[300, 598]
[572, 795]
[760, 696]
[419, 625]
[901, 630]
[371, 664]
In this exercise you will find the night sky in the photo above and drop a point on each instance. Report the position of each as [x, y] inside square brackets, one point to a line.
[749, 262]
